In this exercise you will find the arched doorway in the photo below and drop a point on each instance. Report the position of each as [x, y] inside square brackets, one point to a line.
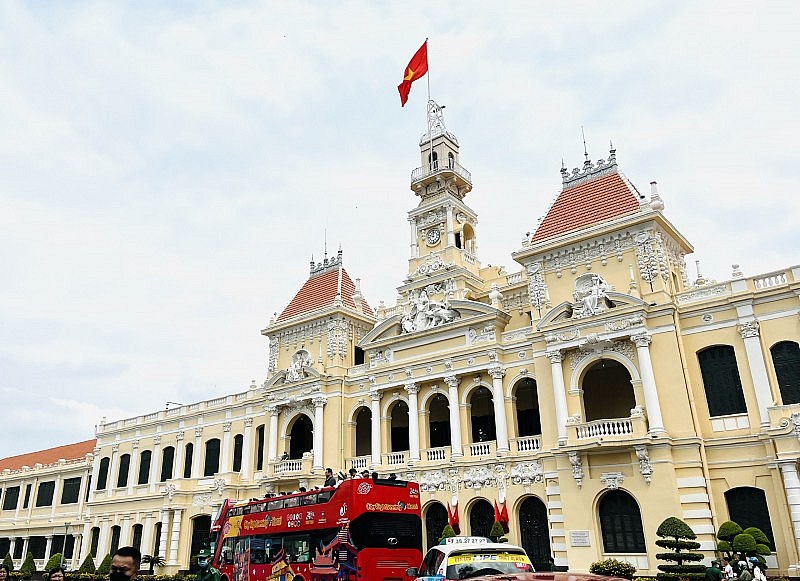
[482, 415]
[607, 391]
[399, 425]
[435, 521]
[481, 518]
[439, 421]
[301, 437]
[201, 536]
[529, 422]
[621, 523]
[535, 533]
[363, 432]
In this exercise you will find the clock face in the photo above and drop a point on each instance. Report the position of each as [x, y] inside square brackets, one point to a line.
[433, 236]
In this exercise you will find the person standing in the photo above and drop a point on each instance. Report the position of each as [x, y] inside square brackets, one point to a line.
[125, 564]
[713, 573]
[727, 569]
[206, 572]
[329, 478]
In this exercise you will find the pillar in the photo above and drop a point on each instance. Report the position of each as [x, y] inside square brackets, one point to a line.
[155, 463]
[133, 468]
[413, 421]
[500, 422]
[175, 539]
[273, 433]
[559, 395]
[319, 431]
[180, 456]
[147, 534]
[758, 369]
[375, 425]
[652, 405]
[414, 247]
[162, 542]
[247, 459]
[49, 546]
[113, 470]
[197, 454]
[456, 450]
[791, 486]
[451, 235]
[225, 460]
[95, 470]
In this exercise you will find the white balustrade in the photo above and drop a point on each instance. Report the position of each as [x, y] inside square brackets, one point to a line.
[395, 458]
[480, 449]
[600, 428]
[529, 444]
[436, 454]
[360, 463]
[285, 466]
[769, 280]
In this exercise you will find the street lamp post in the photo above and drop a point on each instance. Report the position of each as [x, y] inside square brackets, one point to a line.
[64, 547]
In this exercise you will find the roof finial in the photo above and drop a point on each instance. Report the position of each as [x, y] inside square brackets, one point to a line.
[585, 152]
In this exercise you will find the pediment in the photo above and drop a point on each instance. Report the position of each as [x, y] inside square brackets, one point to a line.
[288, 377]
[467, 313]
[613, 302]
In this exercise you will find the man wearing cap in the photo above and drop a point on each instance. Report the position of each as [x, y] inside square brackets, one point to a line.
[206, 572]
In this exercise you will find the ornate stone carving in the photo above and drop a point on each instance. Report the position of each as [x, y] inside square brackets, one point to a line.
[527, 473]
[590, 296]
[650, 256]
[203, 499]
[319, 402]
[226, 427]
[411, 388]
[169, 491]
[179, 436]
[219, 485]
[626, 323]
[555, 356]
[573, 420]
[426, 314]
[157, 440]
[749, 330]
[296, 371]
[497, 372]
[577, 468]
[644, 463]
[642, 339]
[562, 336]
[433, 480]
[272, 367]
[538, 293]
[612, 480]
[453, 480]
[432, 264]
[479, 477]
[637, 411]
[248, 422]
[198, 432]
[375, 395]
[702, 293]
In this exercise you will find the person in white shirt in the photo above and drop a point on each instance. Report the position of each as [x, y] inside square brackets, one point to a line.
[727, 569]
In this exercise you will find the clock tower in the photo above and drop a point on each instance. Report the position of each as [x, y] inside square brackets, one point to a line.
[443, 227]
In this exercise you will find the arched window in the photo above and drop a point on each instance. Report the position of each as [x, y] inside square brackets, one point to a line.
[529, 423]
[621, 523]
[301, 437]
[94, 537]
[481, 518]
[535, 533]
[238, 446]
[433, 160]
[607, 391]
[124, 468]
[482, 415]
[439, 421]
[144, 467]
[260, 447]
[747, 507]
[115, 532]
[102, 473]
[167, 462]
[363, 432]
[721, 380]
[399, 426]
[187, 460]
[136, 541]
[156, 539]
[435, 521]
[786, 360]
[451, 160]
[211, 465]
[201, 529]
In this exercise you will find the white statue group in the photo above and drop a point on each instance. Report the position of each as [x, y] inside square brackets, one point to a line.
[425, 313]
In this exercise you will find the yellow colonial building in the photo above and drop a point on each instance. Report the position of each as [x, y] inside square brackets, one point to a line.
[594, 390]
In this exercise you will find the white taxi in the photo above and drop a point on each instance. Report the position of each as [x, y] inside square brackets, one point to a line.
[468, 557]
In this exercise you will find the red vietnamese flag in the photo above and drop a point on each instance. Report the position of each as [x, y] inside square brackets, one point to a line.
[504, 518]
[417, 67]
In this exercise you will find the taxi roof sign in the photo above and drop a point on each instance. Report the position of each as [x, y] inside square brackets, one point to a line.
[466, 541]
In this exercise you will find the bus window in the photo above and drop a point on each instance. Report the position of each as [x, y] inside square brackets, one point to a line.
[297, 548]
[260, 550]
[310, 499]
[324, 496]
[275, 505]
[291, 501]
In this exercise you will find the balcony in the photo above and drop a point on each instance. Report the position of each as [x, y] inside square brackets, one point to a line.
[422, 176]
[292, 467]
[609, 430]
[527, 444]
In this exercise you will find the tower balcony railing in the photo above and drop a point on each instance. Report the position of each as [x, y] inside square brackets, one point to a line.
[611, 429]
[440, 167]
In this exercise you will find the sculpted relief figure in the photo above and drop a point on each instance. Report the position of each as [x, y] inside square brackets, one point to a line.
[425, 313]
[295, 371]
[590, 294]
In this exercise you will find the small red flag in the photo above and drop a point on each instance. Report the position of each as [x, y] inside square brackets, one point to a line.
[504, 518]
[417, 67]
[496, 512]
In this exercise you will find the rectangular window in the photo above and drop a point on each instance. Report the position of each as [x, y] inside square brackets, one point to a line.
[95, 540]
[167, 459]
[27, 500]
[11, 499]
[260, 447]
[187, 461]
[71, 490]
[44, 496]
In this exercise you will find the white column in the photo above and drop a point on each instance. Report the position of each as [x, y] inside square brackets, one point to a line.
[162, 542]
[180, 456]
[559, 395]
[456, 450]
[758, 369]
[247, 453]
[12, 546]
[49, 546]
[500, 422]
[147, 534]
[103, 543]
[414, 248]
[319, 431]
[225, 460]
[197, 455]
[133, 469]
[95, 470]
[125, 531]
[155, 463]
[791, 485]
[85, 547]
[175, 540]
[451, 235]
[273, 434]
[57, 487]
[652, 405]
[25, 540]
[375, 425]
[413, 420]
[113, 470]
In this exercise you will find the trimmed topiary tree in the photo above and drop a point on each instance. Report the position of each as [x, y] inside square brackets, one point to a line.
[88, 565]
[28, 566]
[613, 568]
[53, 561]
[726, 533]
[497, 532]
[8, 562]
[447, 532]
[674, 534]
[105, 565]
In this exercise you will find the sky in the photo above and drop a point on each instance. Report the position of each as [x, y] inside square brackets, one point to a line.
[168, 169]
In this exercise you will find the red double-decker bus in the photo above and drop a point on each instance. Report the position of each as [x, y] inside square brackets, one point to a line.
[363, 529]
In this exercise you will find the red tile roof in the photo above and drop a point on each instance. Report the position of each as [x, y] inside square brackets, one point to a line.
[586, 203]
[50, 456]
[320, 291]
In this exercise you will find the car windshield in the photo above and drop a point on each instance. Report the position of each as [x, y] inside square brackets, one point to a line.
[468, 565]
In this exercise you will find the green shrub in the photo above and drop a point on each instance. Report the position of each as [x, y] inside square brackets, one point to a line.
[8, 562]
[28, 566]
[758, 535]
[447, 532]
[105, 565]
[496, 532]
[88, 565]
[613, 568]
[53, 561]
[728, 530]
[674, 534]
[744, 543]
